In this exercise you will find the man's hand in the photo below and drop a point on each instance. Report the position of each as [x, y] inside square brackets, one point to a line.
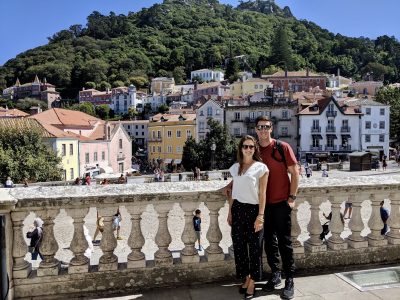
[291, 203]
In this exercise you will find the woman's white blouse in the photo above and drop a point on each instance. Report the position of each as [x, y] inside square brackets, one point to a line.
[246, 186]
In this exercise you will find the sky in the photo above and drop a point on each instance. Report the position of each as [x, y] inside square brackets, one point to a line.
[26, 24]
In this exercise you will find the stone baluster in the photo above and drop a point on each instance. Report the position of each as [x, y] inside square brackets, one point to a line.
[163, 238]
[21, 268]
[214, 235]
[393, 236]
[108, 261]
[79, 263]
[314, 243]
[356, 225]
[49, 247]
[189, 253]
[375, 238]
[336, 226]
[296, 230]
[136, 259]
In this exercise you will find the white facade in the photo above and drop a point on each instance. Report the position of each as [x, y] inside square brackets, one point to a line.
[209, 110]
[207, 75]
[136, 129]
[156, 100]
[122, 99]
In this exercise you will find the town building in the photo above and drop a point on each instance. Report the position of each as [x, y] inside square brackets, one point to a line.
[167, 136]
[155, 101]
[249, 87]
[95, 97]
[162, 85]
[137, 130]
[123, 98]
[41, 90]
[210, 89]
[207, 75]
[210, 109]
[296, 81]
[337, 82]
[365, 87]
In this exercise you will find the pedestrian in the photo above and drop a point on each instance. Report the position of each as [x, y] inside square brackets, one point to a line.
[26, 183]
[246, 213]
[9, 183]
[308, 172]
[78, 181]
[280, 200]
[35, 233]
[198, 174]
[99, 228]
[87, 179]
[121, 179]
[197, 226]
[384, 216]
[348, 206]
[324, 173]
[384, 163]
[116, 223]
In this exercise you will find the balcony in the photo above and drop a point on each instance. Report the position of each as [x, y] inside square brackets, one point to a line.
[330, 148]
[315, 148]
[155, 139]
[330, 129]
[345, 148]
[159, 245]
[237, 120]
[316, 129]
[248, 120]
[345, 129]
[331, 113]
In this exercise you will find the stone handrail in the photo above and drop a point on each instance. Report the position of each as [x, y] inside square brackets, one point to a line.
[168, 267]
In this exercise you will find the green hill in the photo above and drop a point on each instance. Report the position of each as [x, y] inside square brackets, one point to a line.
[177, 36]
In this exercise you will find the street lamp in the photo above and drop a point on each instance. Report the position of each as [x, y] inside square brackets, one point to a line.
[213, 147]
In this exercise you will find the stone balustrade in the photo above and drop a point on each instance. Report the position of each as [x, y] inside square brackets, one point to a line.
[351, 242]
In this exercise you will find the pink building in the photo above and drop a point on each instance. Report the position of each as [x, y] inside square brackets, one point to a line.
[210, 89]
[95, 97]
[366, 87]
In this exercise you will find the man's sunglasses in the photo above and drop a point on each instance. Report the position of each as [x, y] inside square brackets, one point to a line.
[265, 127]
[248, 147]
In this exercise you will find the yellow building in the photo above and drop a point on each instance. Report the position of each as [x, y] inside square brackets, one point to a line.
[168, 134]
[249, 87]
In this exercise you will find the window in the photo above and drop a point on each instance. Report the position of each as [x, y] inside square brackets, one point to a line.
[368, 110]
[217, 112]
[64, 150]
[285, 114]
[252, 115]
[209, 111]
[95, 156]
[329, 141]
[154, 149]
[120, 167]
[142, 133]
[178, 149]
[367, 138]
[169, 149]
[142, 126]
[260, 113]
[159, 149]
[129, 127]
[261, 86]
[284, 131]
[315, 142]
[159, 134]
[236, 131]
[201, 125]
[71, 173]
[71, 149]
[188, 133]
[237, 115]
[201, 113]
[178, 133]
[330, 123]
[331, 107]
[382, 125]
[381, 138]
[153, 134]
[368, 125]
[87, 158]
[169, 133]
[256, 86]
[103, 155]
[120, 143]
[345, 123]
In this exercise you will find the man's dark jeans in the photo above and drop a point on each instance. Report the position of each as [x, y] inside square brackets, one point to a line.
[277, 228]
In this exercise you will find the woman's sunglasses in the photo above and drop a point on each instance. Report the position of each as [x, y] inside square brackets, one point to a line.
[248, 147]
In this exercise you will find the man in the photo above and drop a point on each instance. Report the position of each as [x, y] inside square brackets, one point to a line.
[280, 200]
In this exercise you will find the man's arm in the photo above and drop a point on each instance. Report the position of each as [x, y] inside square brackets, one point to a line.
[294, 182]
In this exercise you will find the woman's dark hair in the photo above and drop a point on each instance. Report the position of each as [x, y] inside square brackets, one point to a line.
[256, 154]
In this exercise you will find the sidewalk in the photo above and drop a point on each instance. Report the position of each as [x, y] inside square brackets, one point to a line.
[326, 287]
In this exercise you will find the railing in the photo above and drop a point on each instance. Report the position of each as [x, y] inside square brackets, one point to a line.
[345, 148]
[330, 148]
[160, 250]
[237, 120]
[330, 113]
[316, 148]
[330, 129]
[316, 129]
[345, 129]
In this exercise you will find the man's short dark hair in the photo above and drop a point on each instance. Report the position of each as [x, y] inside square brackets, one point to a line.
[198, 211]
[263, 118]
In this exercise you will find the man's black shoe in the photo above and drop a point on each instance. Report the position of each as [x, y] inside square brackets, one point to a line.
[273, 282]
[288, 291]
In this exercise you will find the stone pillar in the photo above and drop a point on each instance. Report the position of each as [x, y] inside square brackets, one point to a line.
[108, 261]
[314, 243]
[163, 256]
[375, 222]
[189, 253]
[136, 259]
[214, 236]
[21, 268]
[49, 265]
[393, 236]
[296, 230]
[79, 263]
[356, 225]
[335, 242]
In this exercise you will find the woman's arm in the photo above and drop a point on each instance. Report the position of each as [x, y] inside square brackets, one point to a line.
[230, 201]
[262, 189]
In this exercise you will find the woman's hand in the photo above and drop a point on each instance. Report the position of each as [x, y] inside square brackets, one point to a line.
[229, 218]
[258, 225]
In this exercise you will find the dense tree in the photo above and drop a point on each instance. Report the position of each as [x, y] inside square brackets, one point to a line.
[232, 70]
[391, 96]
[23, 154]
[281, 50]
[103, 111]
[86, 107]
[163, 108]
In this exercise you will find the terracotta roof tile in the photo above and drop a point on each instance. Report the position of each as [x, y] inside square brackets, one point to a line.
[23, 124]
[173, 117]
[12, 113]
[66, 118]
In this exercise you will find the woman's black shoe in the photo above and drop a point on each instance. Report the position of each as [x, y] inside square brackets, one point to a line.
[242, 290]
[250, 296]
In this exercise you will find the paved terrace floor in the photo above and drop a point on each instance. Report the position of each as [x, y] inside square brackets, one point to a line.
[326, 287]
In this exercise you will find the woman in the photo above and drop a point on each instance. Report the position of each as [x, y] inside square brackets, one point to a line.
[246, 213]
[36, 236]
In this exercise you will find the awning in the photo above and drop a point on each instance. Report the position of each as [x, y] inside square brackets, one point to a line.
[331, 136]
[346, 136]
[317, 136]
